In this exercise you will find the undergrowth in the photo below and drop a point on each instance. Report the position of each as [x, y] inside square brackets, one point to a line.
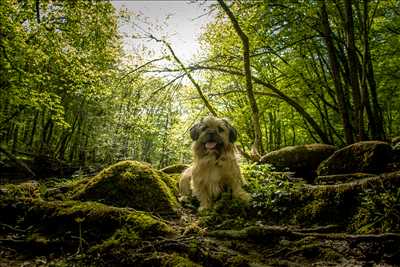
[378, 212]
[271, 191]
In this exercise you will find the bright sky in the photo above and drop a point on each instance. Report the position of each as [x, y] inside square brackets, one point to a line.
[181, 22]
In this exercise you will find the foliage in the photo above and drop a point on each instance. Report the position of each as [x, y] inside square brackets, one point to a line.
[70, 94]
[291, 58]
[271, 192]
[66, 94]
[379, 212]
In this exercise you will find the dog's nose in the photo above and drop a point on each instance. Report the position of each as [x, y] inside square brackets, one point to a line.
[212, 133]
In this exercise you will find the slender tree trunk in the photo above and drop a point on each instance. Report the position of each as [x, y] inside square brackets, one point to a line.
[37, 7]
[34, 125]
[353, 68]
[334, 64]
[15, 139]
[61, 148]
[257, 146]
[45, 133]
[375, 116]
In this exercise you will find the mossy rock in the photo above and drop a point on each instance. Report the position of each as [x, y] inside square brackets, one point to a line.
[173, 169]
[303, 159]
[367, 156]
[175, 260]
[341, 178]
[131, 184]
[97, 221]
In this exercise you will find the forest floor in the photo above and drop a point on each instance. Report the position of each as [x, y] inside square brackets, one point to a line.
[288, 223]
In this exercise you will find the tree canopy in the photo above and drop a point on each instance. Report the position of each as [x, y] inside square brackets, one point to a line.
[286, 73]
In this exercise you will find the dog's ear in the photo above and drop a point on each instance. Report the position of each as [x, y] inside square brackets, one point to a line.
[232, 131]
[195, 131]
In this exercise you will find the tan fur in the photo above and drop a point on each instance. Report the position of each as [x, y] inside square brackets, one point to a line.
[214, 170]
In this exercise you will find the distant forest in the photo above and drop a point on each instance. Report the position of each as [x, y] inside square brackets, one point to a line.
[283, 72]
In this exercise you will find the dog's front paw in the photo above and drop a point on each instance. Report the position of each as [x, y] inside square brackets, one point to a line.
[184, 199]
[244, 196]
[203, 209]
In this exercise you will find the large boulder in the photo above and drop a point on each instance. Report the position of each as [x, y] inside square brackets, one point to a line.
[303, 160]
[366, 157]
[131, 184]
[175, 169]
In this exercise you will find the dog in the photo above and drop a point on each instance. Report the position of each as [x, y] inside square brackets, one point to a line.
[215, 165]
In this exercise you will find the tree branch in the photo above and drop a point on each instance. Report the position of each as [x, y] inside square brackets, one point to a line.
[257, 146]
[196, 85]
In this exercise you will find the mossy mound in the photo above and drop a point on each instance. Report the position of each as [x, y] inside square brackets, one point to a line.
[33, 226]
[367, 156]
[279, 199]
[131, 184]
[303, 159]
[96, 220]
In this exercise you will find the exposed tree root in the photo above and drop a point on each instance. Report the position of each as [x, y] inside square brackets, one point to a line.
[265, 232]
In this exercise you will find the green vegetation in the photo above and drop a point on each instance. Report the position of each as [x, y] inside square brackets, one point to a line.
[92, 138]
[130, 184]
[286, 218]
[71, 97]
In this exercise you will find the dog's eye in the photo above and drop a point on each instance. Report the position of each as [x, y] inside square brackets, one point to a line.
[220, 129]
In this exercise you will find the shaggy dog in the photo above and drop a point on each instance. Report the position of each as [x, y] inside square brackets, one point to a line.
[214, 167]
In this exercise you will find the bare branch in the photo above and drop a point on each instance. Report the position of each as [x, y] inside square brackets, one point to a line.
[196, 85]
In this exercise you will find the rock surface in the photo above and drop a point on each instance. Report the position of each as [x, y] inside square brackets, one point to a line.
[367, 156]
[303, 159]
[174, 169]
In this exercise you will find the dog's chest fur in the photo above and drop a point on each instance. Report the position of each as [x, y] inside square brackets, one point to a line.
[212, 174]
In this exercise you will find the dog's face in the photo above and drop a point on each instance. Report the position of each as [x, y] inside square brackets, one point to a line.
[212, 135]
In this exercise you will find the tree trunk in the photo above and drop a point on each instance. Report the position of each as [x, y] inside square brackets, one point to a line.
[34, 125]
[257, 146]
[353, 67]
[334, 64]
[375, 113]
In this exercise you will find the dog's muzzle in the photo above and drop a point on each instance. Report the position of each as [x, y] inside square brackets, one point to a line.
[212, 141]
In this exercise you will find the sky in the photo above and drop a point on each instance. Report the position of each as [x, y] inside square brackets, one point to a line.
[180, 21]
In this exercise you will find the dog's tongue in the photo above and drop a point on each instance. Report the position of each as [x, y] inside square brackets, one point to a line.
[211, 145]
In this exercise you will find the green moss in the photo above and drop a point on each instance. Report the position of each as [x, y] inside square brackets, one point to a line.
[123, 236]
[147, 225]
[96, 221]
[379, 212]
[175, 260]
[30, 189]
[171, 180]
[131, 184]
[226, 210]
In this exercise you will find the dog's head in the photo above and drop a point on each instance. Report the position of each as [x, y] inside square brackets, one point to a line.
[213, 135]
